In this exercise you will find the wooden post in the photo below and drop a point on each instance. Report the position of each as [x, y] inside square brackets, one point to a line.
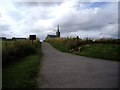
[32, 42]
[77, 40]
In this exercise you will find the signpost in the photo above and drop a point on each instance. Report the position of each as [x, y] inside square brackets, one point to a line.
[32, 37]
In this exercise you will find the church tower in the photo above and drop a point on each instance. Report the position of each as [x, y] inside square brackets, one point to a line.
[58, 32]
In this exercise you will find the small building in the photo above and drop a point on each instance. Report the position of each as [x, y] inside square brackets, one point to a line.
[54, 36]
[18, 39]
[13, 38]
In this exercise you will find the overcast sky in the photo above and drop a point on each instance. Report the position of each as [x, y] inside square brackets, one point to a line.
[75, 18]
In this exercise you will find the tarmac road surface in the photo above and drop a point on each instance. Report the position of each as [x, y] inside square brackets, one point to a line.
[62, 70]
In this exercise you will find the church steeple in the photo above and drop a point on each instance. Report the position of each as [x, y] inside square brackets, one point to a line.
[58, 29]
[58, 32]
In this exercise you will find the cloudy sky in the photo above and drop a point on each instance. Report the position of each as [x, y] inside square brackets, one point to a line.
[76, 18]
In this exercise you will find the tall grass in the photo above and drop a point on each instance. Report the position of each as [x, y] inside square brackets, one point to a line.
[63, 44]
[13, 50]
[21, 73]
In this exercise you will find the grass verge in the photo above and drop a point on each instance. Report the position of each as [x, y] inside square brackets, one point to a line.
[22, 73]
[108, 49]
[102, 51]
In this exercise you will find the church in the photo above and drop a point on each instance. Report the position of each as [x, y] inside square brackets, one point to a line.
[54, 36]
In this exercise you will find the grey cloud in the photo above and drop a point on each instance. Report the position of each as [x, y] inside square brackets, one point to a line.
[5, 27]
[27, 4]
[40, 18]
[88, 22]
[34, 4]
[17, 15]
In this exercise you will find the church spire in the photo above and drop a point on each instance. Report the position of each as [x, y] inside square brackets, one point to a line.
[58, 32]
[58, 29]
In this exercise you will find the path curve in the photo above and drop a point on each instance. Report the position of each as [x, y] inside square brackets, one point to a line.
[62, 70]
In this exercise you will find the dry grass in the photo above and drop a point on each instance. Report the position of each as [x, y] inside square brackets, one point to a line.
[13, 50]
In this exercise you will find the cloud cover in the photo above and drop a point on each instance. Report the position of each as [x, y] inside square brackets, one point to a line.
[91, 19]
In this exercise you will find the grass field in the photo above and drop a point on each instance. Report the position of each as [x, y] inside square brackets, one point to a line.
[105, 49]
[21, 72]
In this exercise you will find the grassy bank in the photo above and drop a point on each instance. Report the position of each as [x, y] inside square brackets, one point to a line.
[104, 48]
[21, 72]
[103, 51]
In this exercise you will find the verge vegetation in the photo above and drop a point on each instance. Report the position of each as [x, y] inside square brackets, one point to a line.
[108, 49]
[21, 62]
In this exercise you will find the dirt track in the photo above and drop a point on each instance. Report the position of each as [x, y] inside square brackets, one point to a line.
[62, 70]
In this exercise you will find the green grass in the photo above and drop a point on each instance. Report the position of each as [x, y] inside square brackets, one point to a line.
[0, 45]
[21, 73]
[108, 49]
[103, 51]
[0, 64]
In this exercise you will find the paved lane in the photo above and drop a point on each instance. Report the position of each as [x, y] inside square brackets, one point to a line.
[62, 70]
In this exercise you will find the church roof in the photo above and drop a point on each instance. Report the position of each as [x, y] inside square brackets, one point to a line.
[52, 36]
